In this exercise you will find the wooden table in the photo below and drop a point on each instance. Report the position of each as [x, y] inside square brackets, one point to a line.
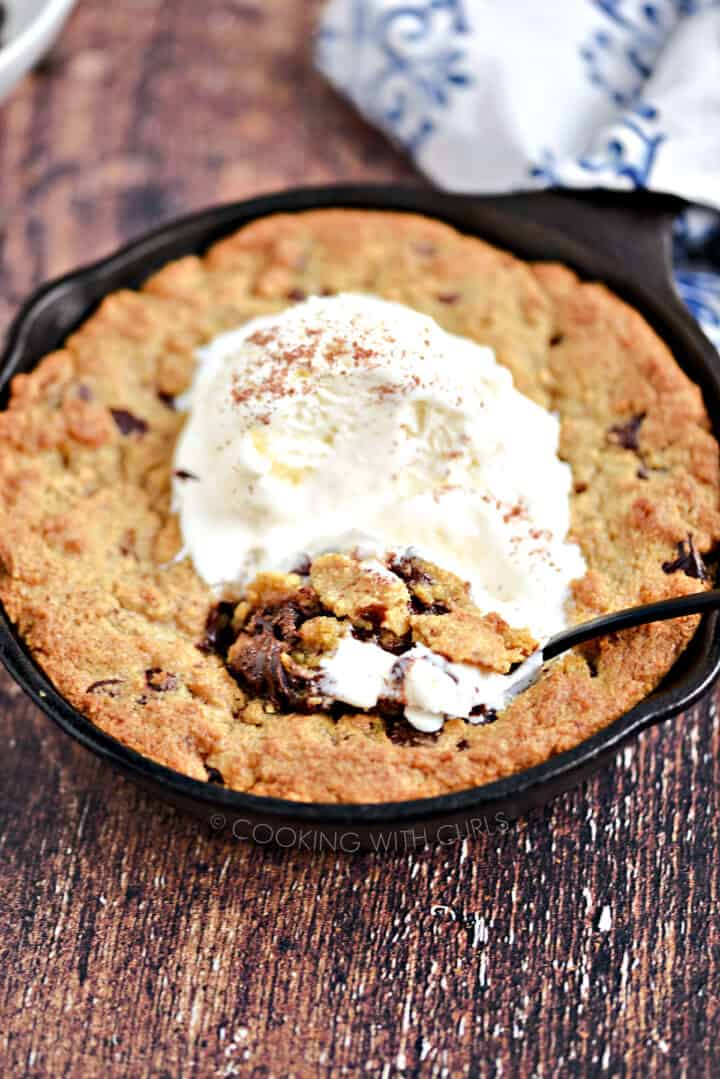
[584, 941]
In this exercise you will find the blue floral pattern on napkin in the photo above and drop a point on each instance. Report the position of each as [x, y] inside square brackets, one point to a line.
[422, 62]
[408, 64]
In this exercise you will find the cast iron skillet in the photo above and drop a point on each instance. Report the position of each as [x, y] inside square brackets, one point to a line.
[623, 240]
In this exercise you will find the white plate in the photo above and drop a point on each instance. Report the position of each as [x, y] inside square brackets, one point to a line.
[30, 28]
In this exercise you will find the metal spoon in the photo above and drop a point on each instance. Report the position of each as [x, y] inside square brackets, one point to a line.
[696, 603]
[678, 607]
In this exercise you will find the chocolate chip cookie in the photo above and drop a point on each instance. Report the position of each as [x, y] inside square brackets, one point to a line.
[91, 563]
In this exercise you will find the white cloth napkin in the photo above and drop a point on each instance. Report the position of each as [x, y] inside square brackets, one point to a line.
[503, 95]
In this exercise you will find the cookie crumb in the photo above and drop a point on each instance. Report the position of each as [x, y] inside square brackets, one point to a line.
[370, 597]
[463, 636]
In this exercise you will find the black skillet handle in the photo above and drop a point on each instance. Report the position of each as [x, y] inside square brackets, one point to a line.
[626, 235]
[621, 238]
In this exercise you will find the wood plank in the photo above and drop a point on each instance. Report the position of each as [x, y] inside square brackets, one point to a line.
[582, 941]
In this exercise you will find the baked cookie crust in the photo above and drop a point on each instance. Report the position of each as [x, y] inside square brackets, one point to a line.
[89, 546]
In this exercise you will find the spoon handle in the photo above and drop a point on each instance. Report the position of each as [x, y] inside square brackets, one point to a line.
[697, 603]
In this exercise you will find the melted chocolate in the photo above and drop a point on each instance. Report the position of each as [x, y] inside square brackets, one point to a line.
[218, 629]
[261, 660]
[688, 560]
[402, 733]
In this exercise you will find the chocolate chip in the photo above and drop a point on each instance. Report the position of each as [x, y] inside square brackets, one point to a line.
[84, 392]
[418, 606]
[167, 399]
[688, 560]
[463, 744]
[214, 776]
[402, 733]
[642, 473]
[437, 608]
[337, 710]
[159, 680]
[218, 629]
[448, 297]
[105, 686]
[127, 423]
[557, 339]
[390, 642]
[296, 294]
[183, 474]
[626, 434]
[483, 715]
[374, 613]
[408, 570]
[591, 658]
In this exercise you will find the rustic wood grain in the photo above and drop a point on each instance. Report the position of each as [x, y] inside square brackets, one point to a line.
[583, 941]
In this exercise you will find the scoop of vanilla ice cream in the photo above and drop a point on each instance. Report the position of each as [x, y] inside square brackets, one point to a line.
[353, 422]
